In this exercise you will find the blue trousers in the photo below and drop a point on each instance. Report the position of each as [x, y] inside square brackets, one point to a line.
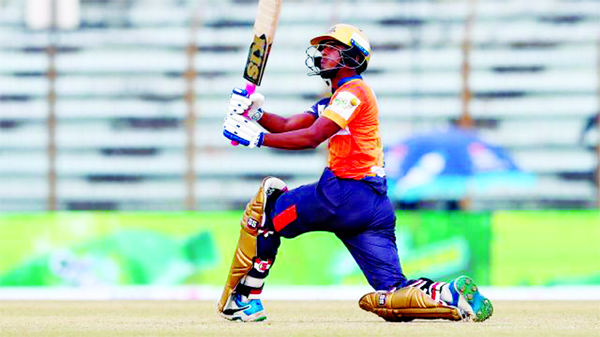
[358, 212]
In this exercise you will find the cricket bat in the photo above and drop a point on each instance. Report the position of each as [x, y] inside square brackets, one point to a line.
[265, 25]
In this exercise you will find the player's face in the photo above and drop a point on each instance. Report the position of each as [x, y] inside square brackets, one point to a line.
[325, 59]
[331, 57]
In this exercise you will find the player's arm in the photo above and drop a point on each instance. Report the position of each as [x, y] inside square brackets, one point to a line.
[244, 131]
[250, 106]
[302, 131]
[278, 124]
[307, 138]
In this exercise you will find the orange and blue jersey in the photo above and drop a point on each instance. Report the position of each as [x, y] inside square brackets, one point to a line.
[355, 152]
[350, 199]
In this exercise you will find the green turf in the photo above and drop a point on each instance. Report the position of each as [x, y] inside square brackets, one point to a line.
[286, 318]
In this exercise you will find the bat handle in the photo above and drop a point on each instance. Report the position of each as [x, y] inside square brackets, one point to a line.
[250, 88]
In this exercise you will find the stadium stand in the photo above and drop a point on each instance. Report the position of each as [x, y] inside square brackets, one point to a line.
[121, 103]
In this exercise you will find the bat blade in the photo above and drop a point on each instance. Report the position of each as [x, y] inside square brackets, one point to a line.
[265, 25]
[267, 17]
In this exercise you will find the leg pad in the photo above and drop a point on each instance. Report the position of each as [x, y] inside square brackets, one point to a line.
[406, 304]
[253, 224]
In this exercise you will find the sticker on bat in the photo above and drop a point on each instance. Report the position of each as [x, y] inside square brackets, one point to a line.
[257, 58]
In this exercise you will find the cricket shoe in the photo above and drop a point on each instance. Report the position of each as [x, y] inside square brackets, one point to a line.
[238, 310]
[466, 296]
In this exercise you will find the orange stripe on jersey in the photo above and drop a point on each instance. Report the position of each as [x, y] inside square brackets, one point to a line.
[355, 151]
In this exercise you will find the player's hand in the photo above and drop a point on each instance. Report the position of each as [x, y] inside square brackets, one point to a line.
[242, 130]
[240, 103]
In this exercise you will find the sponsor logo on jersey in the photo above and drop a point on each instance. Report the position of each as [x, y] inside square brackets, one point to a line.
[340, 102]
[344, 104]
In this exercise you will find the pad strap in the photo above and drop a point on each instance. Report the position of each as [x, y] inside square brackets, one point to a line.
[249, 292]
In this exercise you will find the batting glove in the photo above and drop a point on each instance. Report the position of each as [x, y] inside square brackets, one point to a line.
[242, 104]
[242, 130]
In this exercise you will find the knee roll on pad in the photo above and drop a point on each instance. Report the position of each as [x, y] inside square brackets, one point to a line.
[254, 218]
[406, 304]
[253, 224]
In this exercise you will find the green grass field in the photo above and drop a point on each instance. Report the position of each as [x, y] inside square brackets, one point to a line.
[286, 318]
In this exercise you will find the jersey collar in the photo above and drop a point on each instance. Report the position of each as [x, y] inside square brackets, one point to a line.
[348, 79]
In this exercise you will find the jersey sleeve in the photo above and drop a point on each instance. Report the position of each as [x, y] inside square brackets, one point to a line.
[317, 109]
[341, 107]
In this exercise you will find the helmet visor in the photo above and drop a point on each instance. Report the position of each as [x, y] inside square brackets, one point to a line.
[314, 58]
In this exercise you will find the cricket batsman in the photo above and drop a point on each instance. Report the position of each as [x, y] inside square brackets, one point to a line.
[349, 200]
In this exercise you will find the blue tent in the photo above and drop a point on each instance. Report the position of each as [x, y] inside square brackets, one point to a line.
[449, 165]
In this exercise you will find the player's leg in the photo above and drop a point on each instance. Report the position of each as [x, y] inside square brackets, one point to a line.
[247, 292]
[461, 292]
[301, 207]
[244, 303]
[302, 210]
[375, 251]
[251, 264]
[456, 300]
[376, 254]
[369, 234]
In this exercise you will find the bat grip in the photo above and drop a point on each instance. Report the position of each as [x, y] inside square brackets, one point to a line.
[250, 88]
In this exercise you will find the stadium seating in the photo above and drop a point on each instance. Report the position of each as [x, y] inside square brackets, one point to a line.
[121, 91]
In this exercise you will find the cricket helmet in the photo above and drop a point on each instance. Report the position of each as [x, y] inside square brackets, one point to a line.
[348, 35]
[353, 45]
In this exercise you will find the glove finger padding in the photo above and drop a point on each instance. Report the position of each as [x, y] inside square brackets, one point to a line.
[242, 130]
[406, 304]
[241, 104]
[238, 104]
[242, 123]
